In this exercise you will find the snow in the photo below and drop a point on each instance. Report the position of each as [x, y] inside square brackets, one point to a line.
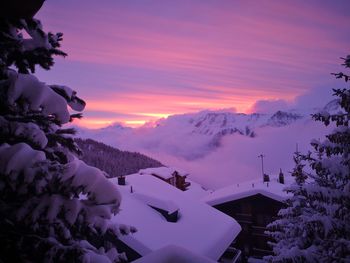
[18, 157]
[173, 254]
[100, 190]
[195, 230]
[70, 95]
[166, 205]
[49, 100]
[272, 189]
[39, 96]
[163, 172]
[195, 190]
[27, 131]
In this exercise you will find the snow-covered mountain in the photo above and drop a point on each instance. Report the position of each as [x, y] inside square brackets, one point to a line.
[282, 118]
[192, 135]
[216, 125]
[213, 123]
[107, 134]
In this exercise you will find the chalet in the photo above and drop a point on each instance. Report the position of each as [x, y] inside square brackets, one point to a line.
[254, 205]
[174, 177]
[165, 216]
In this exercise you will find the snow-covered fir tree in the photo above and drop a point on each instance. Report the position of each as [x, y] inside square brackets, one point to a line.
[53, 207]
[315, 225]
[288, 230]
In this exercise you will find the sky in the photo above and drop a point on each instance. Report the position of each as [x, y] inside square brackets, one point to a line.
[137, 61]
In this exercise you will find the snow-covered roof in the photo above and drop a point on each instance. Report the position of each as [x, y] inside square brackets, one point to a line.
[163, 172]
[272, 189]
[195, 190]
[173, 254]
[200, 228]
[162, 203]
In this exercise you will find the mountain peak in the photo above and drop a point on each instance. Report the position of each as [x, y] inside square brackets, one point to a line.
[283, 118]
[116, 125]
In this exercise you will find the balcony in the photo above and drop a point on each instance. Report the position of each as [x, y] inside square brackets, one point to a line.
[231, 255]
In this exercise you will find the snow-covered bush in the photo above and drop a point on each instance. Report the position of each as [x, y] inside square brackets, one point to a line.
[315, 225]
[53, 207]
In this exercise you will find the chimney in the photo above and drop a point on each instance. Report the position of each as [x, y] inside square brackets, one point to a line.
[266, 178]
[281, 177]
[121, 180]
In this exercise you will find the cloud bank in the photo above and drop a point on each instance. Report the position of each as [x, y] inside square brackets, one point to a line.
[175, 143]
[237, 159]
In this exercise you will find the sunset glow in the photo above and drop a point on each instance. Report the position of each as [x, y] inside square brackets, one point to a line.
[135, 123]
[135, 62]
[93, 123]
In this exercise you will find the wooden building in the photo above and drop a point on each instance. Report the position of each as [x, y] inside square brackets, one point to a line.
[253, 213]
[253, 205]
[173, 177]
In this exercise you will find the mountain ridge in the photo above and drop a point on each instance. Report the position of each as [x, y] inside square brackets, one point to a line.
[193, 135]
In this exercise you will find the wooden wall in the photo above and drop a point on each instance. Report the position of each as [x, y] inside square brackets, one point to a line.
[253, 213]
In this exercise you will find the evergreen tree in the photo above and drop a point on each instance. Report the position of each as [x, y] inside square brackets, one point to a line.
[288, 231]
[53, 207]
[113, 161]
[315, 226]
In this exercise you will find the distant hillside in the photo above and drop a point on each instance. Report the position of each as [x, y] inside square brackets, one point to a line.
[113, 161]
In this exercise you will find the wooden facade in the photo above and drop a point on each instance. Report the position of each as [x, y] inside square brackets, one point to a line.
[177, 180]
[180, 181]
[253, 213]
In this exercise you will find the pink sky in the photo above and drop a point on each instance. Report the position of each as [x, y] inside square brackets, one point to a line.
[135, 61]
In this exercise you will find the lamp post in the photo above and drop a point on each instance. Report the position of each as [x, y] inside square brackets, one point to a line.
[262, 163]
[266, 177]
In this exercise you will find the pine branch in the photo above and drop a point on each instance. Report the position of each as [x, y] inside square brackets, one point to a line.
[341, 75]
